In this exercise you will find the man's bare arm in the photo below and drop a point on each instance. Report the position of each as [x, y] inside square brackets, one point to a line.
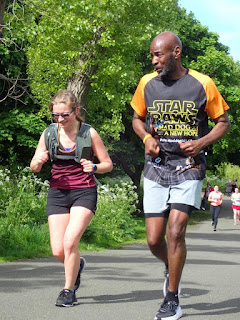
[222, 125]
[151, 146]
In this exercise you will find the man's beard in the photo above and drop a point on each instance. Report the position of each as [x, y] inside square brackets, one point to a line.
[169, 69]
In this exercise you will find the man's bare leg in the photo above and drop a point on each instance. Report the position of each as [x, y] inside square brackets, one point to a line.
[156, 230]
[177, 252]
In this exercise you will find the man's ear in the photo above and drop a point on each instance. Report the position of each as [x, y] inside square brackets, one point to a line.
[177, 52]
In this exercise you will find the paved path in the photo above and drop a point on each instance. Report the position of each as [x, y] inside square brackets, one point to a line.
[127, 284]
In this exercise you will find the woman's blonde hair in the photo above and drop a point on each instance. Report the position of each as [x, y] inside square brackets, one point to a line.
[67, 97]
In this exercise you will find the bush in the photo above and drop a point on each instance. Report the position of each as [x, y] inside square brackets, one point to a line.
[23, 241]
[113, 181]
[228, 171]
[114, 219]
[23, 198]
[215, 180]
[22, 213]
[23, 221]
[223, 173]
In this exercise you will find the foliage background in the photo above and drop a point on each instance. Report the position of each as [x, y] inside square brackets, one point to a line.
[23, 221]
[99, 49]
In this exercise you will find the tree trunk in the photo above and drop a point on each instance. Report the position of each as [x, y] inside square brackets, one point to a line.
[2, 10]
[79, 83]
[134, 175]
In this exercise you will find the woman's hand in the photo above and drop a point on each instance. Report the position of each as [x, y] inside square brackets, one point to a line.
[42, 157]
[87, 165]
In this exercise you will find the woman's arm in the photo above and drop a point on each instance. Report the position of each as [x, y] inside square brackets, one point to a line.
[105, 163]
[210, 197]
[41, 155]
[220, 200]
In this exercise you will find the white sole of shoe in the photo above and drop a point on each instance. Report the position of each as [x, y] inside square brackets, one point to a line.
[176, 316]
[66, 305]
[69, 305]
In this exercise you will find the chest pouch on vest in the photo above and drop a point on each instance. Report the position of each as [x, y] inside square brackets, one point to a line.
[83, 143]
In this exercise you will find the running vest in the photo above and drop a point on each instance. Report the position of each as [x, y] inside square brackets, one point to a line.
[83, 143]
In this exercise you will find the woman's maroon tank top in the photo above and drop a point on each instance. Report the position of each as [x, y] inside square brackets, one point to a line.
[68, 174]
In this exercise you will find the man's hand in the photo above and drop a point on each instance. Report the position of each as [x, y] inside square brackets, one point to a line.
[151, 147]
[191, 148]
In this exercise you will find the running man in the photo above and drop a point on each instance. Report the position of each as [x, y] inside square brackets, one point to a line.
[176, 102]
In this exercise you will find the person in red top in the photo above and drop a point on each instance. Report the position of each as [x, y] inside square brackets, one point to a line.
[215, 199]
[72, 195]
[235, 198]
[172, 106]
[207, 191]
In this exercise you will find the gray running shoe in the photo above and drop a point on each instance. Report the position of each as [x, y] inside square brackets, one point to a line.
[81, 268]
[66, 298]
[169, 310]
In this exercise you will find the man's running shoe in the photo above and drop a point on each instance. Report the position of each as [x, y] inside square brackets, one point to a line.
[81, 268]
[166, 283]
[169, 310]
[66, 298]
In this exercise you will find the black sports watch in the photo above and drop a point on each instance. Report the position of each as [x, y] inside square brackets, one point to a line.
[94, 167]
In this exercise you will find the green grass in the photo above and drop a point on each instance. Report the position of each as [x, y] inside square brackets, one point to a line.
[139, 237]
[24, 230]
[26, 243]
[197, 217]
[36, 243]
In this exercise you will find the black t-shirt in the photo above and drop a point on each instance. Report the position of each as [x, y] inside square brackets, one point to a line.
[178, 111]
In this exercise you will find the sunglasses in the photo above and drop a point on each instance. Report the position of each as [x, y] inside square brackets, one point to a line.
[64, 115]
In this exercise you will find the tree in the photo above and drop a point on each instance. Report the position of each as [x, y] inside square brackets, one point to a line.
[2, 10]
[19, 126]
[11, 87]
[98, 49]
[203, 51]
[226, 75]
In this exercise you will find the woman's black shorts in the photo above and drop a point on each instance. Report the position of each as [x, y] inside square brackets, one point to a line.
[60, 200]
